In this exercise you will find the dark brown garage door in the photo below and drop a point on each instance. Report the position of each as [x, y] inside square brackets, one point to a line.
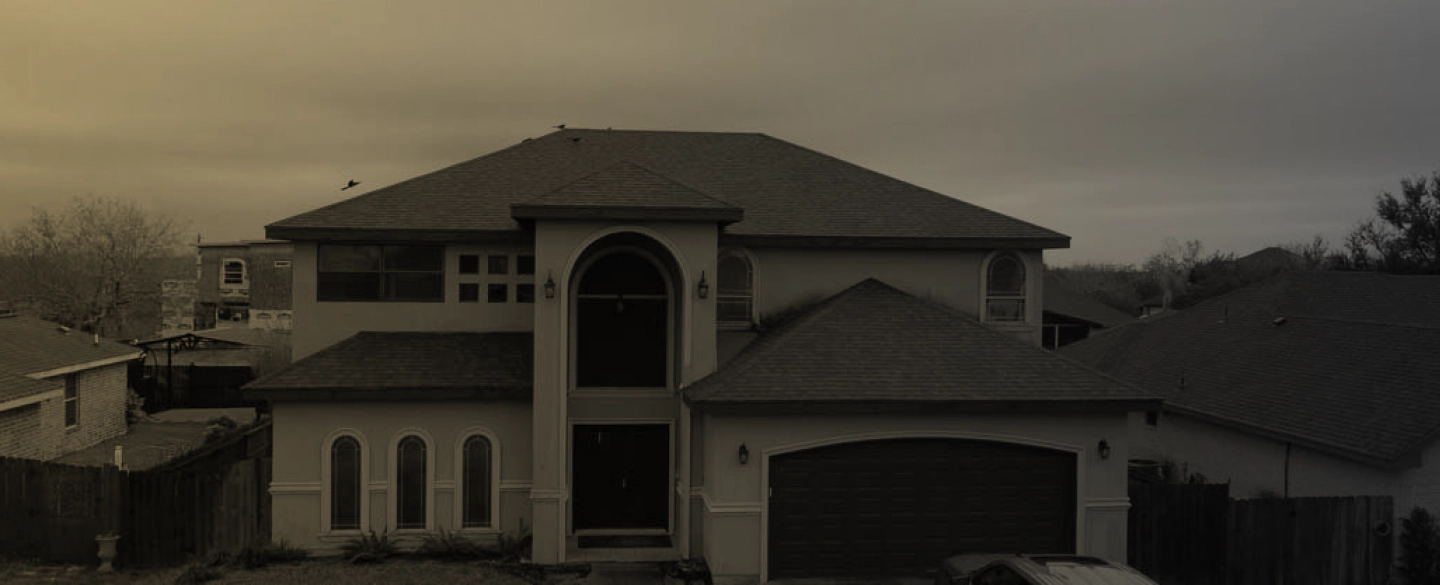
[897, 507]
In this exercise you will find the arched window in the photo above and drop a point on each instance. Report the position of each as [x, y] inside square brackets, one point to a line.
[410, 483]
[622, 323]
[476, 483]
[345, 484]
[1005, 289]
[735, 289]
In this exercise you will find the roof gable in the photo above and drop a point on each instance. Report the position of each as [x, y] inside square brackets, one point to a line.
[875, 343]
[1342, 362]
[786, 191]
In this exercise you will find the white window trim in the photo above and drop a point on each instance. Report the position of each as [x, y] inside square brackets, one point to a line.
[459, 474]
[754, 289]
[1027, 296]
[393, 479]
[326, 483]
[244, 273]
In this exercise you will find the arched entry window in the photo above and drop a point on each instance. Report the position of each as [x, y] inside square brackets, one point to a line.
[1005, 289]
[622, 323]
[345, 483]
[410, 483]
[475, 483]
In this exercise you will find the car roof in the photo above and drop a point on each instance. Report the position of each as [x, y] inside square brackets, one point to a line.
[1053, 569]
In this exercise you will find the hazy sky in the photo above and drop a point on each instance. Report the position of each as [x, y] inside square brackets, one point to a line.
[1240, 123]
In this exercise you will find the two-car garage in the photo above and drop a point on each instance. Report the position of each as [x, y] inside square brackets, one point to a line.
[899, 506]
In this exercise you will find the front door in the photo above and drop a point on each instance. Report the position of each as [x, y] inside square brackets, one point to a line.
[621, 476]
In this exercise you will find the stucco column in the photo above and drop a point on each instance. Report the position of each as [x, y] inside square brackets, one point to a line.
[548, 494]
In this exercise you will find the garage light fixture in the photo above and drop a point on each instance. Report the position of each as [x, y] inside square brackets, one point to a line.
[744, 454]
[1104, 449]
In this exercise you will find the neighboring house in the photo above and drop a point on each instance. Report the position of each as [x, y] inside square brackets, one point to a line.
[60, 390]
[721, 345]
[1307, 384]
[244, 284]
[1071, 316]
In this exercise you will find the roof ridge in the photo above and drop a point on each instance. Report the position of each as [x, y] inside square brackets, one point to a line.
[618, 164]
[640, 131]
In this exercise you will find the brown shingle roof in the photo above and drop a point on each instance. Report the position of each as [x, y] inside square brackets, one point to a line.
[30, 345]
[13, 386]
[786, 191]
[1063, 300]
[411, 364]
[1350, 370]
[629, 191]
[875, 343]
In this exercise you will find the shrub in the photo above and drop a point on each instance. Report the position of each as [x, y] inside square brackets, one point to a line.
[261, 555]
[197, 573]
[449, 546]
[369, 548]
[511, 549]
[1419, 538]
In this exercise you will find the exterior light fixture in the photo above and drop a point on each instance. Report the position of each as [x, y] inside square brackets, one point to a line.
[620, 305]
[549, 286]
[1104, 449]
[704, 287]
[744, 454]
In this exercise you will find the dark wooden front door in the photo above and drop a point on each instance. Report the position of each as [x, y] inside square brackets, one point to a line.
[621, 476]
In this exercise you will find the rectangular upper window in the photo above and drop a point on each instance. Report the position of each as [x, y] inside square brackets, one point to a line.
[371, 272]
[469, 264]
[500, 265]
[524, 265]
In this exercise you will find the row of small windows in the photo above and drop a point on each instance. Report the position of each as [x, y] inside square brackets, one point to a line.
[497, 265]
[411, 483]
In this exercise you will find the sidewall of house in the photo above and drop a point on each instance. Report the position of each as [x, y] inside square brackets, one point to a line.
[303, 429]
[101, 392]
[734, 498]
[33, 431]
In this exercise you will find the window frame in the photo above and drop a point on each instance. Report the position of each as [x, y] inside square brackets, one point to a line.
[750, 264]
[393, 484]
[327, 481]
[461, 485]
[987, 295]
[383, 296]
[72, 400]
[244, 279]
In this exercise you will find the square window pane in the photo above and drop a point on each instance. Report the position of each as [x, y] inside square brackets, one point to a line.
[415, 258]
[498, 293]
[524, 265]
[347, 258]
[499, 265]
[348, 286]
[524, 293]
[469, 264]
[1005, 309]
[415, 287]
[469, 292]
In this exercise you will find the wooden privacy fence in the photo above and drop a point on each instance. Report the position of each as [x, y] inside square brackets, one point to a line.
[1197, 535]
[212, 500]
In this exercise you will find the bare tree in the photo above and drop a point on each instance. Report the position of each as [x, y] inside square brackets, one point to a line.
[1404, 235]
[83, 267]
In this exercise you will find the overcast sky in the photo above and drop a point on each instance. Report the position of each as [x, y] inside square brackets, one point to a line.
[1118, 123]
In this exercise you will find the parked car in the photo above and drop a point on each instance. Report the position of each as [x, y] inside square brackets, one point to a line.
[998, 569]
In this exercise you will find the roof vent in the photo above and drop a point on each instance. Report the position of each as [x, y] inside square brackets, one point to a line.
[1278, 321]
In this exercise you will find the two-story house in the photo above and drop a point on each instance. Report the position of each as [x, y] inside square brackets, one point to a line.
[245, 283]
[716, 345]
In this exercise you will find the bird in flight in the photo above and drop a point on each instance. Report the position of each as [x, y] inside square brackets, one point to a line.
[561, 127]
[353, 183]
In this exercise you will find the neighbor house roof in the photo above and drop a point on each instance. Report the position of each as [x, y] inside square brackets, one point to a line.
[32, 347]
[14, 387]
[875, 343]
[789, 194]
[1341, 362]
[417, 365]
[1063, 300]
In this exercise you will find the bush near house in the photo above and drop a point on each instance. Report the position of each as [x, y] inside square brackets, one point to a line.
[1419, 549]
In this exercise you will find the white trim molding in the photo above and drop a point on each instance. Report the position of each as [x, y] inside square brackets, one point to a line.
[82, 366]
[1108, 503]
[31, 399]
[515, 486]
[731, 508]
[295, 488]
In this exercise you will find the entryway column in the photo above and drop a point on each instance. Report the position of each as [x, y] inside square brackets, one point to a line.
[549, 496]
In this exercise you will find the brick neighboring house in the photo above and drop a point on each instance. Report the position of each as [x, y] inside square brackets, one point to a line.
[60, 390]
[721, 345]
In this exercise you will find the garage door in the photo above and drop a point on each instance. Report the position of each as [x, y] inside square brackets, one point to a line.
[897, 507]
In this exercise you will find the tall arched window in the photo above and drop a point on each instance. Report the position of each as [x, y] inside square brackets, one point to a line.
[1005, 289]
[410, 483]
[476, 483]
[345, 484]
[735, 289]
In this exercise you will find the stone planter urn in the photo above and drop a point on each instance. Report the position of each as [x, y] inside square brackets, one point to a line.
[107, 551]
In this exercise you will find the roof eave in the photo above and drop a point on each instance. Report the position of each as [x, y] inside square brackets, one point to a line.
[386, 393]
[799, 241]
[723, 215]
[724, 405]
[1393, 463]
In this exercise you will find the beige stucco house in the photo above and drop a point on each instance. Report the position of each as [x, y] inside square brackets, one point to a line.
[716, 345]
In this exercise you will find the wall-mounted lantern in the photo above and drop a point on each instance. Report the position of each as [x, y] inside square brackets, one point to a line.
[704, 287]
[744, 454]
[549, 286]
[1104, 449]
